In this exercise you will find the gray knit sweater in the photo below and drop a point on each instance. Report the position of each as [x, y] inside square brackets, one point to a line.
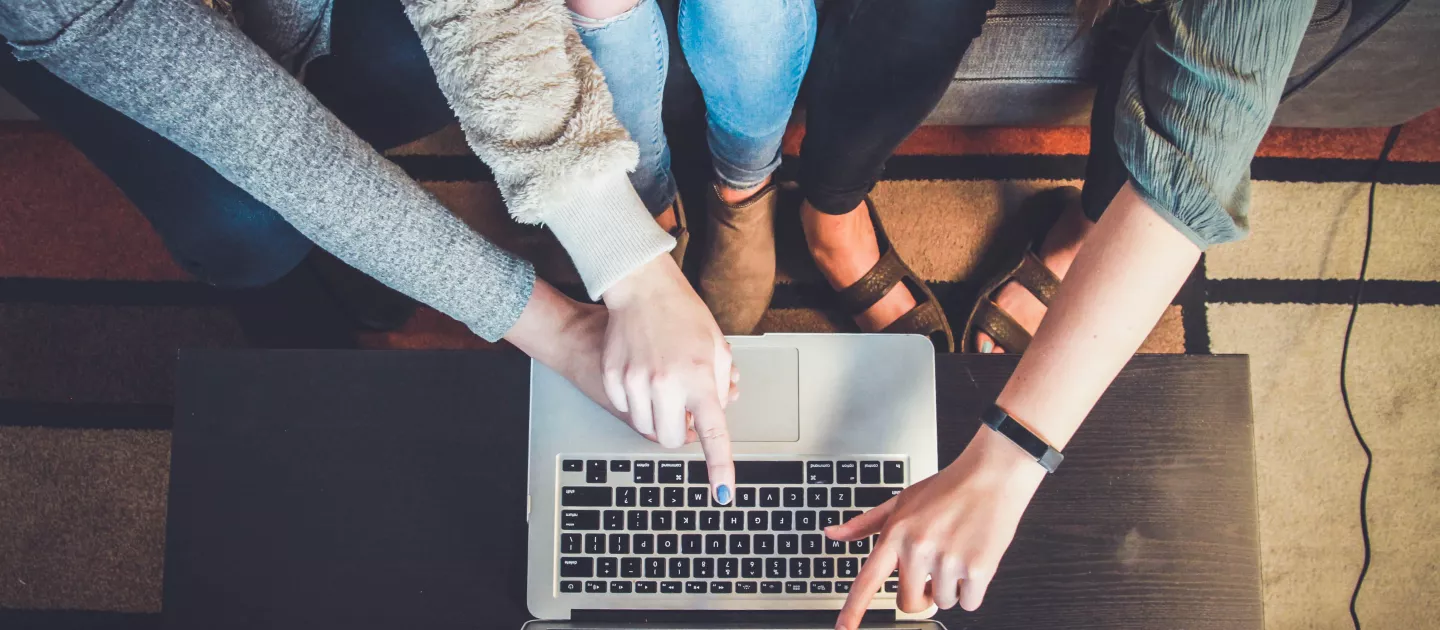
[531, 101]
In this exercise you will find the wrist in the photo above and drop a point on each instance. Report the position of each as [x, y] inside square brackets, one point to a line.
[540, 331]
[999, 456]
[641, 283]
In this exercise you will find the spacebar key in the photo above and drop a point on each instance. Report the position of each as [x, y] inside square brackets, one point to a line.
[872, 496]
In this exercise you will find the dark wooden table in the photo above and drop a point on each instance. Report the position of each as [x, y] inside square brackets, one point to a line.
[387, 490]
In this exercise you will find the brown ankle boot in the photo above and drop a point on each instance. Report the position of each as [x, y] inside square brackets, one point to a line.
[681, 232]
[737, 276]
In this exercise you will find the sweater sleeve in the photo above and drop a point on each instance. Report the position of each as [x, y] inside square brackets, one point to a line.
[1196, 101]
[535, 108]
[182, 71]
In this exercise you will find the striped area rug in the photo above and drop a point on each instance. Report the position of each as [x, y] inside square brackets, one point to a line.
[92, 311]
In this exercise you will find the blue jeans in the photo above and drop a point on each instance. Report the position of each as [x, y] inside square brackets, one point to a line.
[749, 57]
[377, 80]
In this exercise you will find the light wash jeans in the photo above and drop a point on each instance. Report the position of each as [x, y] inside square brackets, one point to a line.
[749, 57]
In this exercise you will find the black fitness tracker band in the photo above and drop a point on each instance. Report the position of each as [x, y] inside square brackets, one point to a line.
[1044, 454]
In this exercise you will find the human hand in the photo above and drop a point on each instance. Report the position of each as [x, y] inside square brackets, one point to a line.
[951, 529]
[664, 356]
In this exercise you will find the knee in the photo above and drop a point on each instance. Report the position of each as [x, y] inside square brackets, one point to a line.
[749, 59]
[236, 244]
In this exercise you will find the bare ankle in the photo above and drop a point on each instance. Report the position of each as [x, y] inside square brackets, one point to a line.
[667, 219]
[735, 196]
[825, 231]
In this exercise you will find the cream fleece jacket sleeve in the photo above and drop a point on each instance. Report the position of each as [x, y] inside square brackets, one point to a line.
[535, 108]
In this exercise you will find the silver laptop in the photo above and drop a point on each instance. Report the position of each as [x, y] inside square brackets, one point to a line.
[826, 426]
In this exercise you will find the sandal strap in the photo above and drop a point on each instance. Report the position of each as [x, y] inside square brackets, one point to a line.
[925, 319]
[1008, 333]
[887, 272]
[1037, 278]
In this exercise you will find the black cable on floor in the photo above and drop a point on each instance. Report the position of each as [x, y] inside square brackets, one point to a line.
[1344, 358]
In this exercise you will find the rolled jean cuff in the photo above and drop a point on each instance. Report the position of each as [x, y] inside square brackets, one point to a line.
[740, 162]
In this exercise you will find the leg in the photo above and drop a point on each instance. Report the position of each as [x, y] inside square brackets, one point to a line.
[629, 42]
[880, 67]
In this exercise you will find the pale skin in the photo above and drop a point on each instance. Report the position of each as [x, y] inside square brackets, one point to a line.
[948, 533]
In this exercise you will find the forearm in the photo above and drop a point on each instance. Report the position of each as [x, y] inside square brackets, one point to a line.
[1130, 267]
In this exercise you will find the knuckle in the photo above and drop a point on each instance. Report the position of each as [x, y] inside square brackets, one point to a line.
[714, 433]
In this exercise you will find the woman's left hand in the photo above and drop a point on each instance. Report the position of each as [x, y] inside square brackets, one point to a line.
[951, 529]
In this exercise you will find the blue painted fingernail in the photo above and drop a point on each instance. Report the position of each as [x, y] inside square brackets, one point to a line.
[722, 494]
[986, 346]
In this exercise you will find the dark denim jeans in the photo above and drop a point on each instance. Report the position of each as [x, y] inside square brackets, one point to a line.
[377, 80]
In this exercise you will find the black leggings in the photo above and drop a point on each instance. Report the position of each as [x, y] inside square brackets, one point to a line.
[881, 66]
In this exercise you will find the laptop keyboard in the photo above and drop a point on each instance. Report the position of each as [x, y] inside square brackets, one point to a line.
[650, 526]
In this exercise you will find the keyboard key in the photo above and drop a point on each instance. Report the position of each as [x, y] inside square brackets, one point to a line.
[595, 471]
[849, 515]
[594, 544]
[570, 586]
[892, 587]
[770, 497]
[625, 496]
[710, 520]
[619, 465]
[670, 472]
[650, 497]
[774, 567]
[755, 473]
[583, 496]
[728, 568]
[816, 497]
[630, 567]
[685, 520]
[594, 587]
[894, 472]
[667, 544]
[871, 497]
[845, 472]
[619, 544]
[697, 496]
[695, 587]
[794, 497]
[644, 472]
[771, 587]
[819, 587]
[674, 497]
[572, 465]
[704, 567]
[747, 588]
[745, 497]
[697, 472]
[719, 587]
[869, 472]
[577, 567]
[820, 472]
[715, 544]
[690, 544]
[799, 567]
[794, 587]
[782, 521]
[849, 567]
[829, 518]
[764, 544]
[639, 520]
[734, 521]
[645, 587]
[750, 567]
[839, 497]
[835, 547]
[643, 544]
[661, 520]
[757, 520]
[607, 567]
[569, 543]
[671, 587]
[812, 544]
[679, 567]
[860, 547]
[789, 544]
[583, 520]
[614, 520]
[654, 567]
[805, 521]
[739, 544]
[620, 587]
[824, 567]
[842, 587]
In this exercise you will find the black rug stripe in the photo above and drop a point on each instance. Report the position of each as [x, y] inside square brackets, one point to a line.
[468, 168]
[77, 620]
[78, 415]
[1255, 291]
[1193, 319]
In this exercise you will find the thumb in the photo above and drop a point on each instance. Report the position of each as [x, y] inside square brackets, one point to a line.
[864, 525]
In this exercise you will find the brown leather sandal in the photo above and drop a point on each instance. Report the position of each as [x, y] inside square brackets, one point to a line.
[1026, 269]
[927, 318]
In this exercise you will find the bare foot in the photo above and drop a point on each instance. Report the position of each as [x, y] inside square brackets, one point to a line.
[844, 248]
[1057, 251]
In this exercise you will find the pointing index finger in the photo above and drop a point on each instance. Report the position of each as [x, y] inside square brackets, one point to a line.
[867, 583]
[714, 435]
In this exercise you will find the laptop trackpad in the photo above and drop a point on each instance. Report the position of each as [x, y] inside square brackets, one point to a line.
[769, 406]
